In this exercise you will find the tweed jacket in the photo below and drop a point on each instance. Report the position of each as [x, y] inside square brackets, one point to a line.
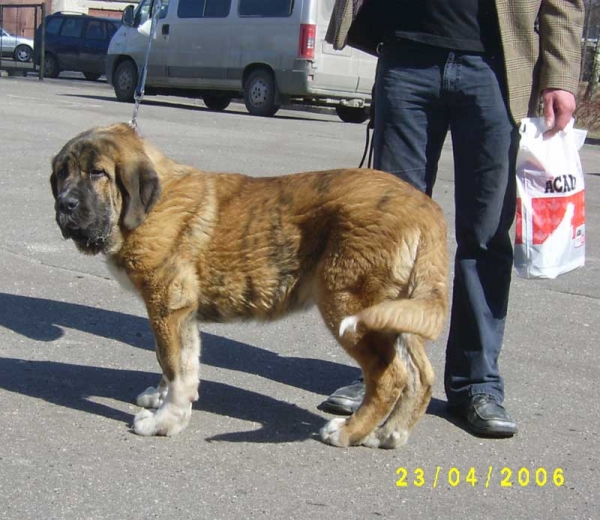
[541, 43]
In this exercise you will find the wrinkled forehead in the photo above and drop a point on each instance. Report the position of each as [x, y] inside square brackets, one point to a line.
[86, 153]
[96, 148]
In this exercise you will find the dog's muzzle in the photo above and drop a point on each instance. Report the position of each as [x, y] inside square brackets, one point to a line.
[79, 222]
[66, 212]
[67, 209]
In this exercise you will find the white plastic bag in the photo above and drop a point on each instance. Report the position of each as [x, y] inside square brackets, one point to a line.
[550, 225]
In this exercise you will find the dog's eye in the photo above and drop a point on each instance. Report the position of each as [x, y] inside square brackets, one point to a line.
[62, 174]
[97, 174]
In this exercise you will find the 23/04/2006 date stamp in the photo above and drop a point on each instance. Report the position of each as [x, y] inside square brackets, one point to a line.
[504, 477]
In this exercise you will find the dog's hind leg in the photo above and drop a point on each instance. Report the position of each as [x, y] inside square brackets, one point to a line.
[385, 375]
[385, 379]
[415, 396]
[178, 351]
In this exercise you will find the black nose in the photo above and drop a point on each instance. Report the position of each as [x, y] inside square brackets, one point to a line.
[66, 203]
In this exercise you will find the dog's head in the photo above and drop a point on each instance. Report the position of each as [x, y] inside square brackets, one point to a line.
[104, 185]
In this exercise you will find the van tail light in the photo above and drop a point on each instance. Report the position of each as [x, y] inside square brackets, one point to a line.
[306, 47]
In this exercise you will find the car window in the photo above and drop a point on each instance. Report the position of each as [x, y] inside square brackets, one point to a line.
[143, 10]
[96, 30]
[72, 27]
[112, 29]
[53, 25]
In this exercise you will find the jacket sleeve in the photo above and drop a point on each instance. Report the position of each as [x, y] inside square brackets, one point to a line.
[561, 28]
[344, 12]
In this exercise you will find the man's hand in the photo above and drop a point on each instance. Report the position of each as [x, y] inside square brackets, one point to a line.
[559, 106]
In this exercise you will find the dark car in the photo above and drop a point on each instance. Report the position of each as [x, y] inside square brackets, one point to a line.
[75, 42]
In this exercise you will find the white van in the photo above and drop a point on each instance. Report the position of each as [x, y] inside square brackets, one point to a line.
[268, 52]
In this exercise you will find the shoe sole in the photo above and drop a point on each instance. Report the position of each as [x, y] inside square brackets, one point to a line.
[336, 408]
[497, 433]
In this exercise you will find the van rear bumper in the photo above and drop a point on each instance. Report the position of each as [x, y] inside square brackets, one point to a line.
[300, 82]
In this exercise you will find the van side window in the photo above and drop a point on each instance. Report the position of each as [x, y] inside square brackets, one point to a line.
[203, 8]
[266, 8]
[72, 27]
[144, 8]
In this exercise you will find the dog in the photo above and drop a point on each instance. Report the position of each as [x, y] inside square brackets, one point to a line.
[366, 248]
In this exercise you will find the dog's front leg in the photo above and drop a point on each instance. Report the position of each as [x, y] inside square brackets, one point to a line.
[178, 352]
[153, 397]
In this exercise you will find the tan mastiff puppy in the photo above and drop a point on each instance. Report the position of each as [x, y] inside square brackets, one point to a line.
[365, 247]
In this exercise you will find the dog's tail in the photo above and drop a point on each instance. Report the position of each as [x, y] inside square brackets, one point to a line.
[423, 317]
[422, 312]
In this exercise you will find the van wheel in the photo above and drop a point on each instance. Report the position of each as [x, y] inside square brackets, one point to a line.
[352, 114]
[216, 102]
[260, 92]
[125, 81]
[51, 68]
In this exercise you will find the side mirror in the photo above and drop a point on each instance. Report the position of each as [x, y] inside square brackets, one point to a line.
[127, 17]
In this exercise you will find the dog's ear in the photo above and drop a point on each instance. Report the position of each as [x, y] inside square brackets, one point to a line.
[53, 185]
[140, 188]
[54, 179]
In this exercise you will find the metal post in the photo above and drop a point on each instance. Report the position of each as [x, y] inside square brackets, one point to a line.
[43, 38]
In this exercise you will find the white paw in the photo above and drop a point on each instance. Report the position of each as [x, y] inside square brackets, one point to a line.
[168, 420]
[151, 397]
[349, 323]
[389, 441]
[330, 433]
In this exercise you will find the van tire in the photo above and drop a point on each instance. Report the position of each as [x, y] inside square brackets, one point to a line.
[356, 115]
[51, 67]
[216, 102]
[260, 93]
[125, 81]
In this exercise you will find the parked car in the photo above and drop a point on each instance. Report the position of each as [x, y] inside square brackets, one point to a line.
[75, 42]
[16, 47]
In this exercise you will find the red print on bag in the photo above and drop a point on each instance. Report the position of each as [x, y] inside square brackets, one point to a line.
[548, 213]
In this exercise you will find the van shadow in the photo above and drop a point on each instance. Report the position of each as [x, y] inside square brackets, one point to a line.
[73, 386]
[183, 106]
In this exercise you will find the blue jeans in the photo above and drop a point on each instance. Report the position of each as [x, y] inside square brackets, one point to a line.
[422, 92]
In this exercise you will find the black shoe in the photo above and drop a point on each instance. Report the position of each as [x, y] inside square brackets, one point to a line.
[486, 417]
[345, 400]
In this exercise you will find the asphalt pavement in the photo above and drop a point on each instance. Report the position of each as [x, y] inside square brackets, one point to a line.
[75, 350]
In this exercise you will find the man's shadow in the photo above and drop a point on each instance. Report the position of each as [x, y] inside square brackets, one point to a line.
[73, 385]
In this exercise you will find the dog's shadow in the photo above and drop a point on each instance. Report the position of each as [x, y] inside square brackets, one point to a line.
[76, 386]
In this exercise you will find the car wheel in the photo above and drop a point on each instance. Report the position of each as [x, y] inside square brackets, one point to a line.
[51, 69]
[91, 76]
[215, 101]
[125, 81]
[23, 53]
[352, 114]
[260, 92]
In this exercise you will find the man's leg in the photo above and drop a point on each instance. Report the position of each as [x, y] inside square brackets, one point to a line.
[485, 142]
